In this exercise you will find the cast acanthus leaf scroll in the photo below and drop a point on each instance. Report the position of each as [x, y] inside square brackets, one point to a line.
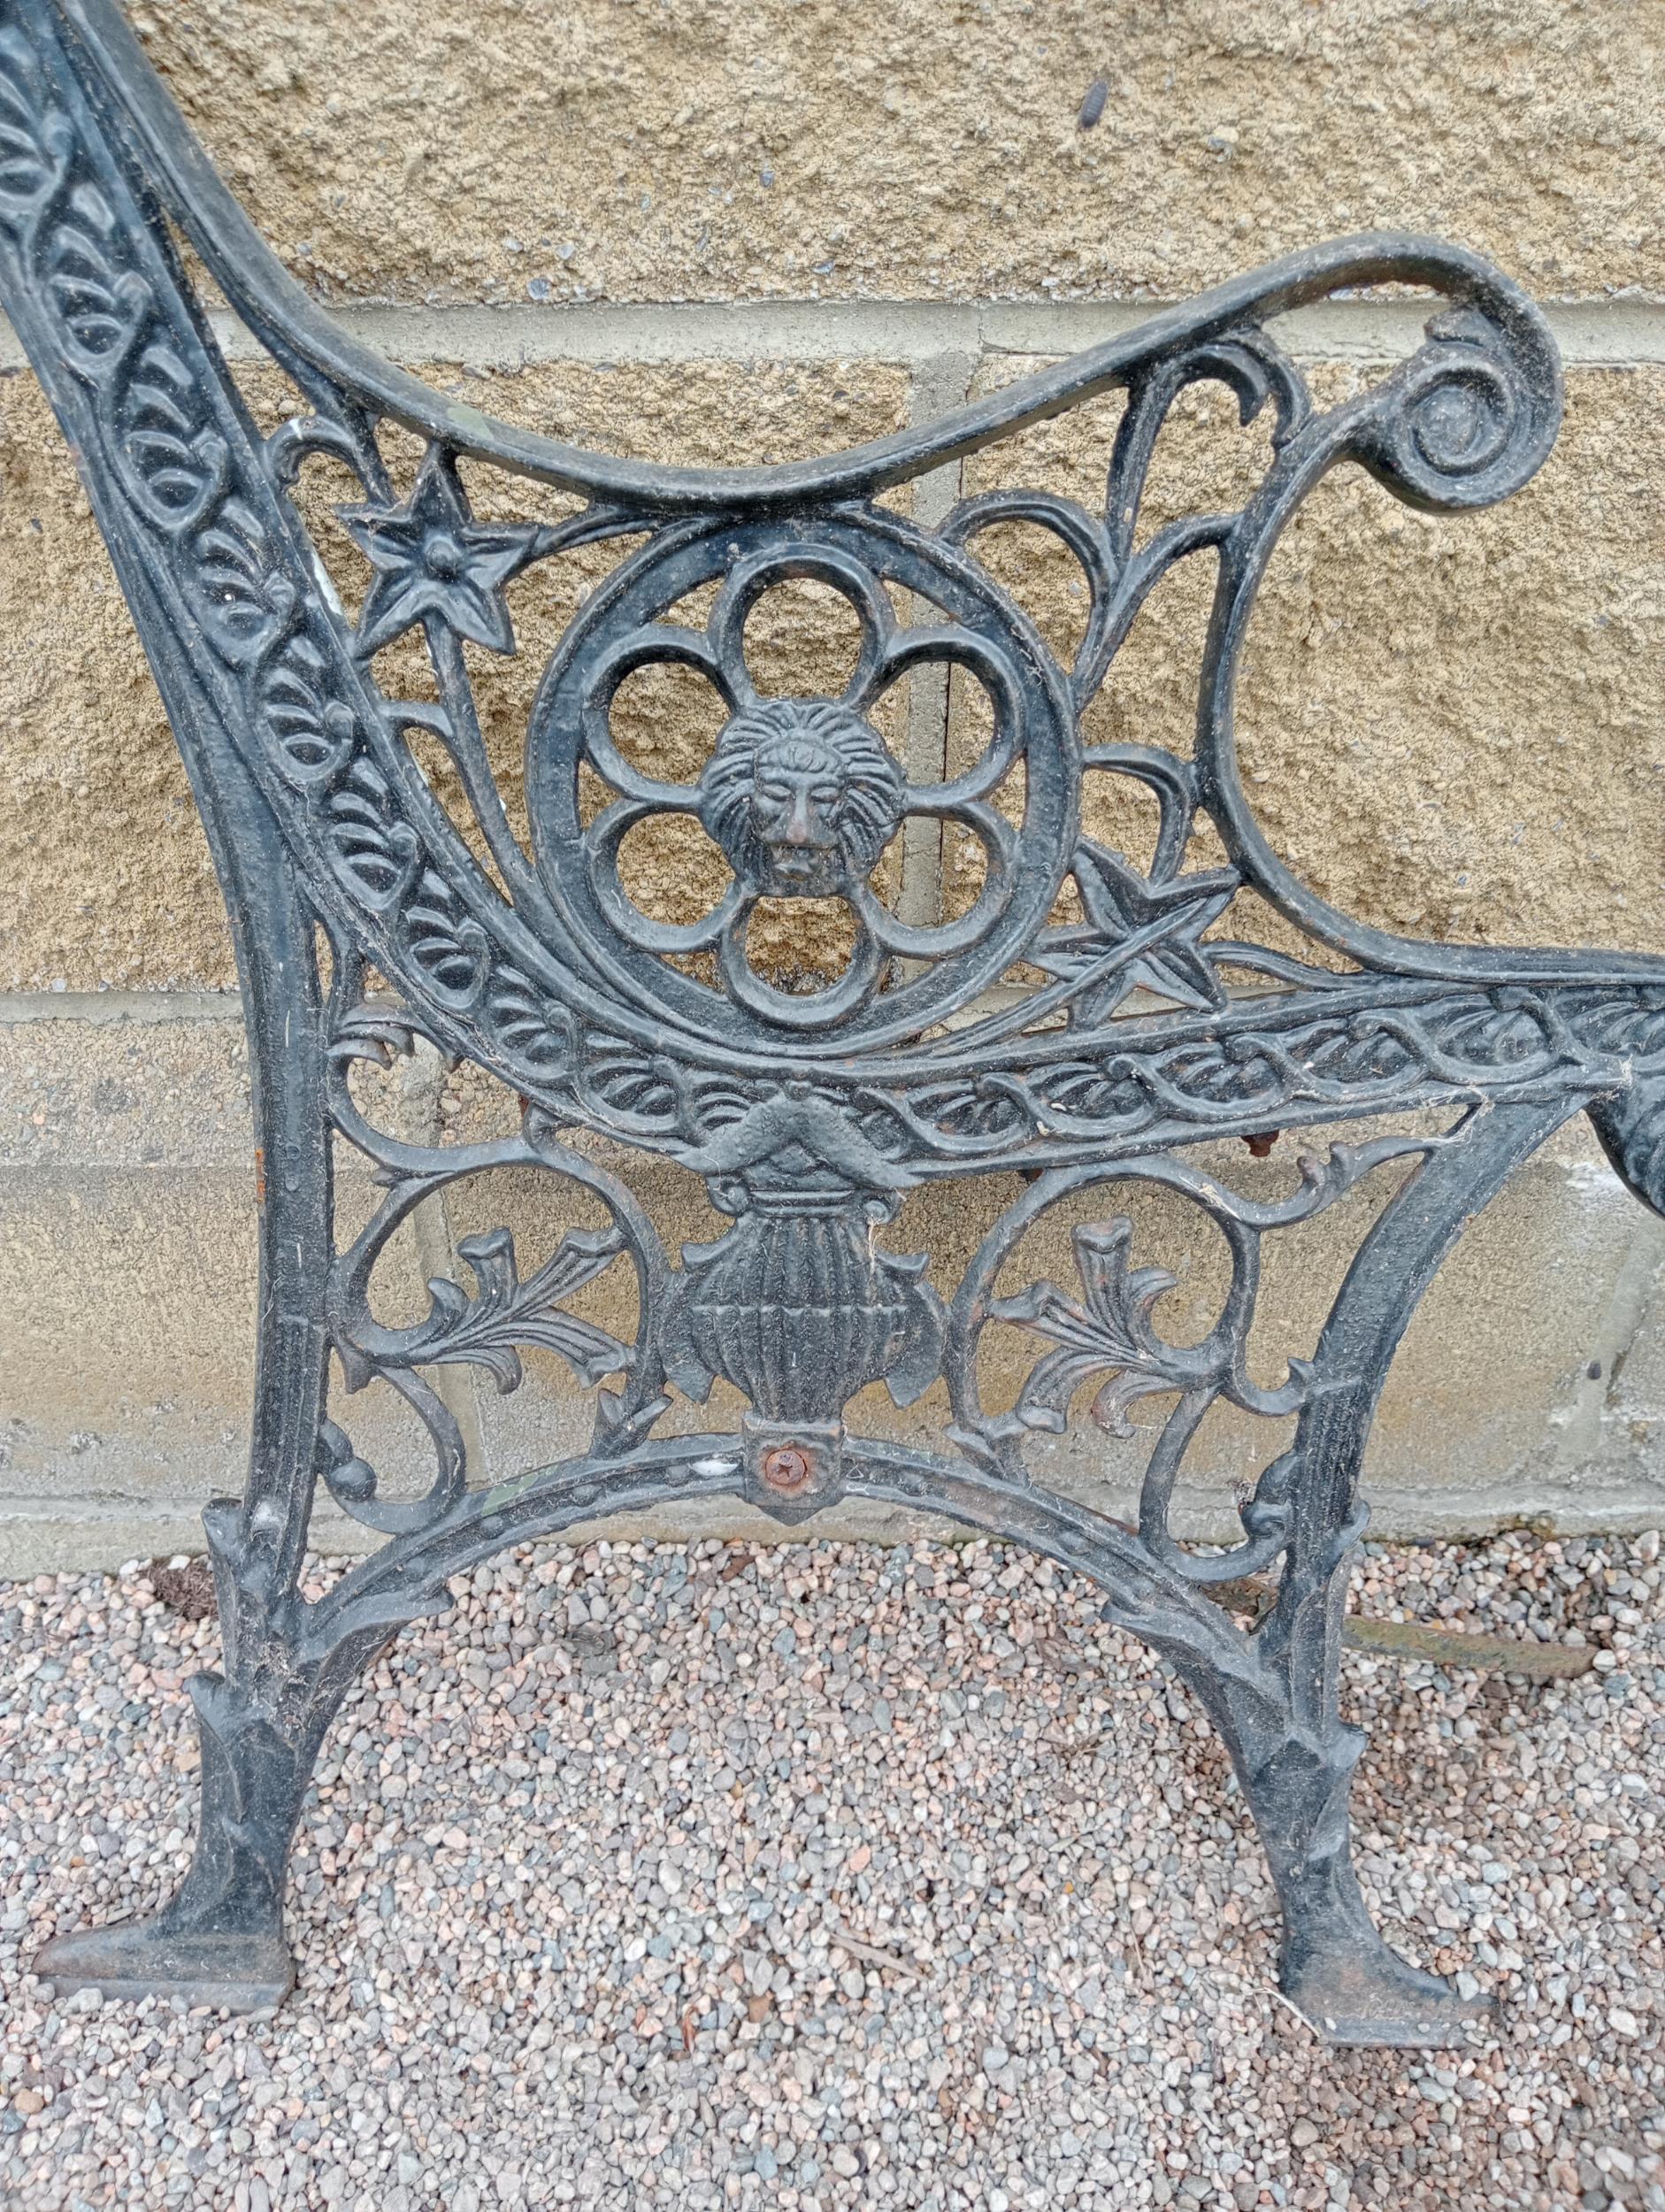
[1110, 1330]
[506, 1314]
[1107, 1331]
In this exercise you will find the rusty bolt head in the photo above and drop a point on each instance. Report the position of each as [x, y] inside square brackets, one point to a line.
[787, 1467]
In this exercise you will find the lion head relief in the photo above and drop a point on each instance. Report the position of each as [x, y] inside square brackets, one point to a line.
[802, 796]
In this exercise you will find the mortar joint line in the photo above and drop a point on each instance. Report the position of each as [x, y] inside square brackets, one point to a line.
[935, 386]
[1612, 333]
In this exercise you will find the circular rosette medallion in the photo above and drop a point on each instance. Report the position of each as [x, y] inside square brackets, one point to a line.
[801, 795]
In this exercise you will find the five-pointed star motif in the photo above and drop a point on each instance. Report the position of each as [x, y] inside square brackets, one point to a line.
[1120, 906]
[432, 557]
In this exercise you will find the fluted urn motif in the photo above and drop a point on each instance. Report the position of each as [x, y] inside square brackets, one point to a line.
[798, 1310]
[798, 1306]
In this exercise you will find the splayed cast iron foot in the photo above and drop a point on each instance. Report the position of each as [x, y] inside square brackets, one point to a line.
[145, 1958]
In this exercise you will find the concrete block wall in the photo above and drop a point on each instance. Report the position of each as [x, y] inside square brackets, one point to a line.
[761, 230]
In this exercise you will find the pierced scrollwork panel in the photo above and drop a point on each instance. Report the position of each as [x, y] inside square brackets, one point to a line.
[506, 1313]
[802, 795]
[546, 963]
[1101, 1340]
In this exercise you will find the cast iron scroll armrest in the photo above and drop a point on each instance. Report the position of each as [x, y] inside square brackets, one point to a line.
[810, 1106]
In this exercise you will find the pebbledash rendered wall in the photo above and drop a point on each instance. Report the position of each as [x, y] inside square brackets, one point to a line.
[705, 230]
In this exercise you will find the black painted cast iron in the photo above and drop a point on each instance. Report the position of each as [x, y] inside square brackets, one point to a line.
[1082, 1022]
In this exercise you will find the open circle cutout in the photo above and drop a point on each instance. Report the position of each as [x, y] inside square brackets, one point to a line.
[801, 794]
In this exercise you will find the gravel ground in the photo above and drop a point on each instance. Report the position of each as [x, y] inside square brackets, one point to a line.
[838, 1876]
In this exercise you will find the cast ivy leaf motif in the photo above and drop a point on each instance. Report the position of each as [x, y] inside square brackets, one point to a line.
[1105, 1332]
[1136, 933]
[433, 558]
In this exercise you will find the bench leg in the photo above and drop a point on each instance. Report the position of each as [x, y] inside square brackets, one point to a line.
[1335, 1967]
[1275, 1706]
[1294, 1755]
[1296, 1770]
[221, 1940]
